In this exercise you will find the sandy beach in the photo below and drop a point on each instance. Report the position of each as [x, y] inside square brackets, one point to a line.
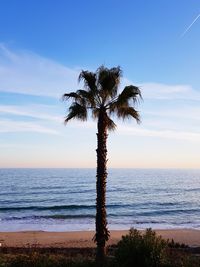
[83, 239]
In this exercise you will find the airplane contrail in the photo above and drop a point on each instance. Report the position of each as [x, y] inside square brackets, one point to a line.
[190, 26]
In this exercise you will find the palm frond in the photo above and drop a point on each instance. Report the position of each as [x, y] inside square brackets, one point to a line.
[127, 112]
[89, 79]
[108, 81]
[88, 97]
[130, 92]
[67, 96]
[95, 113]
[76, 111]
[78, 98]
[110, 124]
[82, 97]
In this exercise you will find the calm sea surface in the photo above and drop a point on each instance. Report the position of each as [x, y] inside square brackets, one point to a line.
[64, 199]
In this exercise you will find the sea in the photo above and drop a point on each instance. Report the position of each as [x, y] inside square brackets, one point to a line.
[64, 199]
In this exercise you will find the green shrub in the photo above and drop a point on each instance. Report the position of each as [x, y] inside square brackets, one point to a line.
[140, 250]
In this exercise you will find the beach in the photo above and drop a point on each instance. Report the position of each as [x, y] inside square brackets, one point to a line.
[83, 239]
[56, 208]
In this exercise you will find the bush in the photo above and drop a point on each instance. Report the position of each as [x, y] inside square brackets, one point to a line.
[172, 244]
[140, 250]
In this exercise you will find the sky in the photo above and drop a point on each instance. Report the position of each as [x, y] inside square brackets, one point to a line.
[45, 44]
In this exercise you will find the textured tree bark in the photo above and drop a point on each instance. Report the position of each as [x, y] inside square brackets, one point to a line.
[102, 233]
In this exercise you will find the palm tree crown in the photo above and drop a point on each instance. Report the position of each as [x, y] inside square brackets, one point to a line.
[101, 93]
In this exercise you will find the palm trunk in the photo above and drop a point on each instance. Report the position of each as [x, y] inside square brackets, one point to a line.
[102, 233]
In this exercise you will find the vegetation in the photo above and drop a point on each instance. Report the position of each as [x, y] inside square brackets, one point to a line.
[149, 250]
[40, 260]
[144, 250]
[134, 250]
[100, 98]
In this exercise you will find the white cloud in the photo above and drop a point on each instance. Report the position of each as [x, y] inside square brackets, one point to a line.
[33, 111]
[169, 92]
[29, 73]
[187, 113]
[141, 131]
[159, 91]
[25, 72]
[169, 134]
[122, 129]
[9, 126]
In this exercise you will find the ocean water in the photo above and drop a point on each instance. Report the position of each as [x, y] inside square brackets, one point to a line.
[64, 199]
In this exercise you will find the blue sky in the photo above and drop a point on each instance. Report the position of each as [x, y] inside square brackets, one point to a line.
[45, 44]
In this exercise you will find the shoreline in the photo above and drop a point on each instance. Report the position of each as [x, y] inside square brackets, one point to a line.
[83, 239]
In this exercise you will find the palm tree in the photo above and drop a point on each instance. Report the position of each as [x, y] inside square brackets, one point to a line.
[100, 98]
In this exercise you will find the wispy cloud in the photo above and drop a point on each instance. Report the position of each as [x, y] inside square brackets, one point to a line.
[187, 29]
[145, 131]
[185, 112]
[159, 91]
[25, 72]
[166, 134]
[28, 73]
[32, 111]
[167, 92]
[10, 126]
